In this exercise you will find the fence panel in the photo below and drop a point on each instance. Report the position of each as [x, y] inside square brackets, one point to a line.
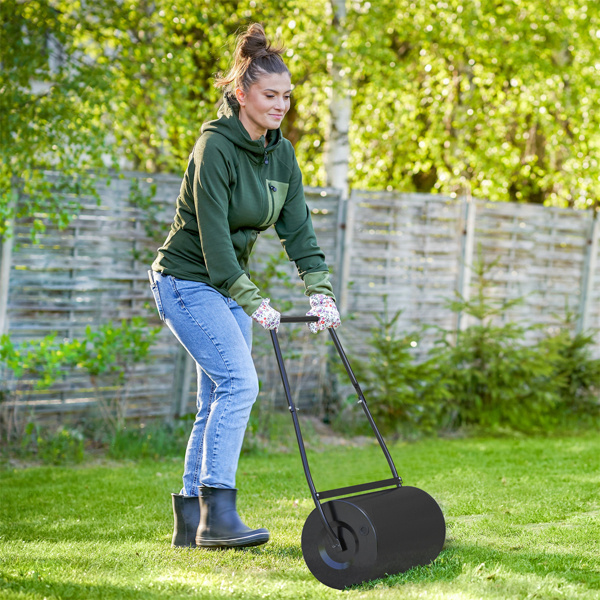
[405, 256]
[94, 271]
[399, 252]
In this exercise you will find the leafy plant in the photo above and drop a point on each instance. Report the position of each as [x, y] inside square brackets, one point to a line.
[402, 394]
[484, 376]
[496, 379]
[109, 355]
[577, 373]
[156, 440]
[65, 445]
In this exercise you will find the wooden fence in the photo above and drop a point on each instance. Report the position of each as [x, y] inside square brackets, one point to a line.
[387, 251]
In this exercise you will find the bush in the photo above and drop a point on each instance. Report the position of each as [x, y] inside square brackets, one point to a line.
[496, 380]
[577, 373]
[485, 376]
[401, 393]
[108, 355]
[65, 445]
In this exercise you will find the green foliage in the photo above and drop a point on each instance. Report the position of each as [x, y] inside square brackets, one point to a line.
[493, 97]
[483, 376]
[577, 373]
[66, 445]
[111, 349]
[108, 355]
[114, 350]
[493, 378]
[399, 391]
[51, 113]
[154, 441]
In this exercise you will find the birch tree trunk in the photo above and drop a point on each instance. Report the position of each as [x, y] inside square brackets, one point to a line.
[338, 146]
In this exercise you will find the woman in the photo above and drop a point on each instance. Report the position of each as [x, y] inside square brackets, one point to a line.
[242, 177]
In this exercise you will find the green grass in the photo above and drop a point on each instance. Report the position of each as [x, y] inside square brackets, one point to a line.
[522, 515]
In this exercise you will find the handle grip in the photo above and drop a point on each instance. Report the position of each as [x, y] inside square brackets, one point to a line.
[298, 319]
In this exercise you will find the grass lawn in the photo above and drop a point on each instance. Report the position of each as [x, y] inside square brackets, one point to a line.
[522, 515]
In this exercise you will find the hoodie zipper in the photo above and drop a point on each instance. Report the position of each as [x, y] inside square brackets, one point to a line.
[271, 199]
[266, 157]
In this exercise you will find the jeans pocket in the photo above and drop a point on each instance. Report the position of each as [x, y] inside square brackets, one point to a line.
[156, 294]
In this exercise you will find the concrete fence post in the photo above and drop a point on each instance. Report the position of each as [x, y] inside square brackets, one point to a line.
[182, 379]
[6, 247]
[345, 232]
[465, 267]
[589, 270]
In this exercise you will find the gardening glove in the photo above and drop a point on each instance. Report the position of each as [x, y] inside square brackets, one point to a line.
[324, 307]
[266, 316]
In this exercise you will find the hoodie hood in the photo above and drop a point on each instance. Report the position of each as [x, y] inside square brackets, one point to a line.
[228, 124]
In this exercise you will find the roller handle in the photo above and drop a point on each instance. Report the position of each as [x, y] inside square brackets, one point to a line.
[334, 541]
[396, 478]
[299, 319]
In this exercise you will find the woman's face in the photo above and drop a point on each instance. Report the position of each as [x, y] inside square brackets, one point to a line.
[265, 104]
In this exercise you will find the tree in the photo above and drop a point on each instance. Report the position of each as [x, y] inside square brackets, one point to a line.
[340, 106]
[52, 113]
[499, 97]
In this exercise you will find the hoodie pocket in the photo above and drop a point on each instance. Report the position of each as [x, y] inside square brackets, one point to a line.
[276, 195]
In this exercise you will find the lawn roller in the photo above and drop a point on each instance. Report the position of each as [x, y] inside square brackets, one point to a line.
[354, 536]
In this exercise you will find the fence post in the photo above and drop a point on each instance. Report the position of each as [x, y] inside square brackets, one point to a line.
[589, 270]
[6, 247]
[466, 256]
[182, 378]
[345, 233]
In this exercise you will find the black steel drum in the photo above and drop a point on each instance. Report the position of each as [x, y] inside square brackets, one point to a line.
[353, 538]
[380, 533]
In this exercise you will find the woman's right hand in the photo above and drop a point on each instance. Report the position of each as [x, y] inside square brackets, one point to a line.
[266, 316]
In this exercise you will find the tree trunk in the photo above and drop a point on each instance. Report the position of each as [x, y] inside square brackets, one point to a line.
[340, 107]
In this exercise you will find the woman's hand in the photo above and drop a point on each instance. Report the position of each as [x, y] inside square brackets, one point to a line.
[266, 316]
[324, 307]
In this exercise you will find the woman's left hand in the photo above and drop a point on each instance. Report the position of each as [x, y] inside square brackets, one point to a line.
[324, 307]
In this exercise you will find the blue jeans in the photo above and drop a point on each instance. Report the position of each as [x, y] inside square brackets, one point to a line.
[217, 333]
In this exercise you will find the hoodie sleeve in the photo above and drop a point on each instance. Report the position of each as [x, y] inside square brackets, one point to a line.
[295, 230]
[214, 171]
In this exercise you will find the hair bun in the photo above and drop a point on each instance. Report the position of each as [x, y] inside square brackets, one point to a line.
[253, 43]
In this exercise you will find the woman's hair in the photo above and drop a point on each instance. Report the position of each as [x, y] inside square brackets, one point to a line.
[254, 56]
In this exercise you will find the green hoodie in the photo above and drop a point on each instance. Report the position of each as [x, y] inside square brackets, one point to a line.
[234, 188]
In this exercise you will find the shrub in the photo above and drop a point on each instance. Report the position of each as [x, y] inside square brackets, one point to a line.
[484, 376]
[401, 394]
[109, 356]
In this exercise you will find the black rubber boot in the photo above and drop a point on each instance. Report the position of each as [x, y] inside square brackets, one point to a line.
[220, 525]
[186, 514]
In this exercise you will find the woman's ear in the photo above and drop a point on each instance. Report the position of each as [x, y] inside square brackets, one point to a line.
[240, 96]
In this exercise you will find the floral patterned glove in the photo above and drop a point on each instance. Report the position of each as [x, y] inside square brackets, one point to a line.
[324, 307]
[266, 316]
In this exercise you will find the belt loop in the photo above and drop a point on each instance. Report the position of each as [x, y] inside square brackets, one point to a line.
[151, 276]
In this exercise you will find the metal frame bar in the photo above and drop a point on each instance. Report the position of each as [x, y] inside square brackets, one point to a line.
[316, 496]
[361, 487]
